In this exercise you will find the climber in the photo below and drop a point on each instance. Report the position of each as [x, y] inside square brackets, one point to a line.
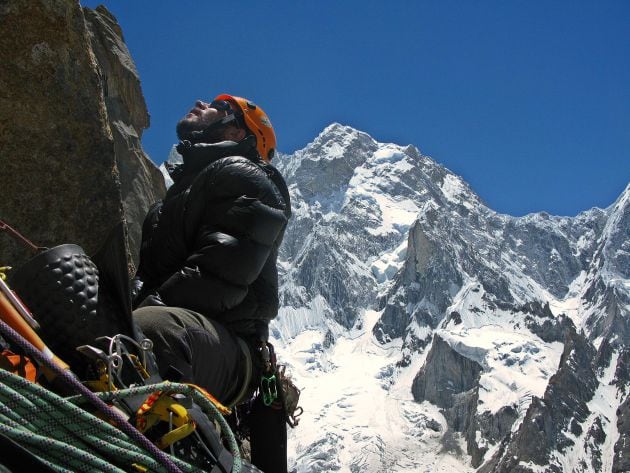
[207, 283]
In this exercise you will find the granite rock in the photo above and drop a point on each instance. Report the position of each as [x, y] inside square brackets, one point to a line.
[60, 182]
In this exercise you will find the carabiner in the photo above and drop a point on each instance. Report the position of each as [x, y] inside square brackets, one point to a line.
[268, 389]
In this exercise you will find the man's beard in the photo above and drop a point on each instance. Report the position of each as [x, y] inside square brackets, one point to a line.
[193, 131]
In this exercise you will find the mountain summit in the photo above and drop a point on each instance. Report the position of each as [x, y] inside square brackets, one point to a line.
[431, 333]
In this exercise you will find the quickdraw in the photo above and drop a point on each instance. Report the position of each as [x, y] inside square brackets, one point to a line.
[110, 364]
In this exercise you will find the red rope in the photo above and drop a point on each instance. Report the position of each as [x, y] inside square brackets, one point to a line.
[19, 237]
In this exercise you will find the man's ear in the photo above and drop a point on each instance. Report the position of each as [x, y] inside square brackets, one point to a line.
[234, 134]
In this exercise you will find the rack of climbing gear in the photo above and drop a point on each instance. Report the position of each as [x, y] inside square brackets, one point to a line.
[163, 411]
[27, 409]
[123, 417]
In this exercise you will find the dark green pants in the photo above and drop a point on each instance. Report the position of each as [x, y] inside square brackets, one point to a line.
[197, 350]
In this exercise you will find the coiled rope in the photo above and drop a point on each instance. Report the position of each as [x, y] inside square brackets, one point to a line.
[68, 438]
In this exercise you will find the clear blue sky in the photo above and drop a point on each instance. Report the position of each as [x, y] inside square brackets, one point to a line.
[529, 101]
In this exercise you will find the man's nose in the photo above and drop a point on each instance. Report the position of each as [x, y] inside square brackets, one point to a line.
[201, 104]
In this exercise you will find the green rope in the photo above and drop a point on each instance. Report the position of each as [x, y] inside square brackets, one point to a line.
[68, 438]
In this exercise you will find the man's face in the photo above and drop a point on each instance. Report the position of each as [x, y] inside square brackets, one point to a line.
[198, 119]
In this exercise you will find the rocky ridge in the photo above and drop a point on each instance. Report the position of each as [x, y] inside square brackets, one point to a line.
[140, 180]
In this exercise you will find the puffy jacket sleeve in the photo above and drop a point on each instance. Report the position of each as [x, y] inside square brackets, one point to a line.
[233, 218]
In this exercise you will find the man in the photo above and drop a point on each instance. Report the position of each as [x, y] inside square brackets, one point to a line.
[207, 283]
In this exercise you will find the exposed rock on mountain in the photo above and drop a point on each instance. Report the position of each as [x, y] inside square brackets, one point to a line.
[445, 375]
[65, 88]
[553, 422]
[622, 447]
[340, 238]
[605, 296]
[141, 181]
[60, 182]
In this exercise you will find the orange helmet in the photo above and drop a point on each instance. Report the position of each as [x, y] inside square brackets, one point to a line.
[257, 123]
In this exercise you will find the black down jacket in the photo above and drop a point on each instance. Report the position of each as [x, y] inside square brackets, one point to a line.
[211, 245]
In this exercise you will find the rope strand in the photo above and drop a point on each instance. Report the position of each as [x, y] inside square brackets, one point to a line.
[71, 381]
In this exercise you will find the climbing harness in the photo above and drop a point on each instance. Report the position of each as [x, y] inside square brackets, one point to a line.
[161, 410]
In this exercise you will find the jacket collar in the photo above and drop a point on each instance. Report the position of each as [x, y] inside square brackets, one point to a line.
[199, 155]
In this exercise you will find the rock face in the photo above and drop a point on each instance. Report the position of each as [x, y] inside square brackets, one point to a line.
[60, 183]
[505, 255]
[553, 422]
[606, 296]
[141, 181]
[65, 177]
[445, 375]
[622, 447]
[451, 381]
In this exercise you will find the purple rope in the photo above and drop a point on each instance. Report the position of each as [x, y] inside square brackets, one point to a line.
[70, 380]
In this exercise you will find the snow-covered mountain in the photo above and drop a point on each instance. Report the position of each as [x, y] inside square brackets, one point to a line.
[430, 333]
